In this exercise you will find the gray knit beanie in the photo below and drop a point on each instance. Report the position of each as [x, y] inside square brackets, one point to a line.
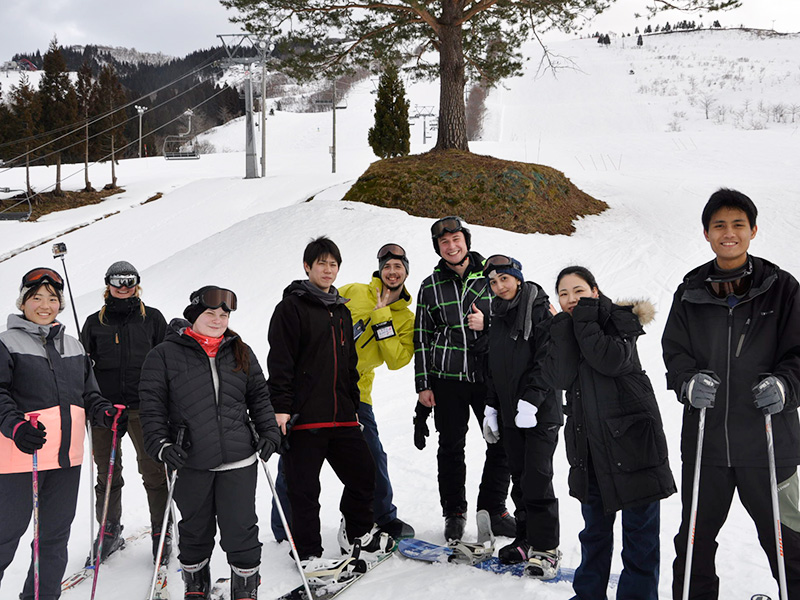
[121, 267]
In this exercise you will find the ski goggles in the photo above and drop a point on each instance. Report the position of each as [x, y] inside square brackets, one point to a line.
[446, 225]
[214, 297]
[500, 261]
[36, 277]
[391, 251]
[120, 281]
[735, 284]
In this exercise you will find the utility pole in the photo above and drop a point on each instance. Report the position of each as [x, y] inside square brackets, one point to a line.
[263, 47]
[333, 146]
[140, 110]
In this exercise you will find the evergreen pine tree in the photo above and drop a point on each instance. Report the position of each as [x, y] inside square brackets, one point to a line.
[391, 134]
[110, 98]
[85, 90]
[59, 107]
[27, 112]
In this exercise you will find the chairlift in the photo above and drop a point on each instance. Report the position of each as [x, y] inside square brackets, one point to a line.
[181, 146]
[17, 211]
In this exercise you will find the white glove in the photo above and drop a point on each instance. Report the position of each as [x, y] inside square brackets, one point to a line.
[526, 415]
[491, 431]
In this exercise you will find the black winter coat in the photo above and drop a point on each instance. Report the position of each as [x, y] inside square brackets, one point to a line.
[515, 366]
[759, 335]
[119, 346]
[177, 389]
[613, 422]
[312, 361]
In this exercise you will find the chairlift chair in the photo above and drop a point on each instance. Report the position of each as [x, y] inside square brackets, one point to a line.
[181, 146]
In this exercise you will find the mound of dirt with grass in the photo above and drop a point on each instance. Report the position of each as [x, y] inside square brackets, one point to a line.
[515, 196]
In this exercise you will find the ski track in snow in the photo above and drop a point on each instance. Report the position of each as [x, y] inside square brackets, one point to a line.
[213, 226]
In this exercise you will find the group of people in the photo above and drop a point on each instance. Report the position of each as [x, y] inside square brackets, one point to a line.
[485, 341]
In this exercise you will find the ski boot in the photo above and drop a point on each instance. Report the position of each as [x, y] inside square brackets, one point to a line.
[244, 583]
[166, 552]
[197, 580]
[112, 541]
[397, 529]
[515, 552]
[454, 524]
[543, 564]
[504, 524]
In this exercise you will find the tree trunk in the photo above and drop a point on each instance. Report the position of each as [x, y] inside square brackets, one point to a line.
[58, 191]
[113, 170]
[28, 171]
[88, 187]
[452, 133]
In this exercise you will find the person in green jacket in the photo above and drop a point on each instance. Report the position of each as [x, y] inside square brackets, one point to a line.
[383, 327]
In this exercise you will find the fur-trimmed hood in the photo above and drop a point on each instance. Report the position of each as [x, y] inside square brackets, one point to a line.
[643, 308]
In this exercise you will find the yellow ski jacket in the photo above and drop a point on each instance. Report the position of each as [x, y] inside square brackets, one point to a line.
[385, 335]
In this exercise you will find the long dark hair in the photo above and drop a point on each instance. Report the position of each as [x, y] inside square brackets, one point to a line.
[241, 353]
[581, 272]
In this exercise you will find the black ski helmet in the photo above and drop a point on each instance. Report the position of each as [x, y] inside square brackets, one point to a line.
[449, 225]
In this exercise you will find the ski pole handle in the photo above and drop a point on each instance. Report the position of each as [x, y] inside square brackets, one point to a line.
[34, 419]
[115, 424]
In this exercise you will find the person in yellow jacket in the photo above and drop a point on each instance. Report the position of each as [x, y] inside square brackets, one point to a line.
[383, 327]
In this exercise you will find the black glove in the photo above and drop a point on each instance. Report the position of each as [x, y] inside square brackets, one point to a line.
[770, 395]
[421, 430]
[266, 448]
[173, 456]
[701, 389]
[106, 419]
[29, 438]
[587, 309]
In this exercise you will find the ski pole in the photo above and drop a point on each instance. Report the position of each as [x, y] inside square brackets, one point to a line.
[34, 422]
[111, 461]
[170, 492]
[59, 251]
[687, 572]
[776, 514]
[283, 517]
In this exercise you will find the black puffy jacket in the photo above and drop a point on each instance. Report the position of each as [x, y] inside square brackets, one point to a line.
[119, 346]
[312, 361]
[760, 335]
[613, 422]
[515, 366]
[177, 390]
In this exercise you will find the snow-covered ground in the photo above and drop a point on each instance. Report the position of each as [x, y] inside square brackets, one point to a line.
[607, 129]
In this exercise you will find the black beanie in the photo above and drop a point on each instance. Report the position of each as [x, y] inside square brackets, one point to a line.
[196, 307]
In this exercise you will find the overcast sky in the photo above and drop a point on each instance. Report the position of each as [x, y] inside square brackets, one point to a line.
[177, 27]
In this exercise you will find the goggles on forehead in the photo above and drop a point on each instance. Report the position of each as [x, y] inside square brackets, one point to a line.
[43, 275]
[446, 225]
[119, 281]
[215, 297]
[499, 261]
[391, 251]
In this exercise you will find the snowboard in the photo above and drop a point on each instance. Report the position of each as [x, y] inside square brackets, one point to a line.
[425, 551]
[328, 591]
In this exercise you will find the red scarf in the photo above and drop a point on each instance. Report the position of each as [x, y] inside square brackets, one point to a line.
[209, 344]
